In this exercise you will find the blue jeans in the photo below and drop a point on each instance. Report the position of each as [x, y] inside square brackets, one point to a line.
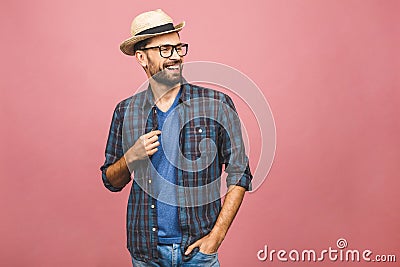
[171, 256]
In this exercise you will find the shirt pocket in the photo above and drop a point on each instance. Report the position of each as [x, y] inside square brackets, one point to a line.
[201, 141]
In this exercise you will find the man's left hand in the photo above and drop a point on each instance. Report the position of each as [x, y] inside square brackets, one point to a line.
[208, 244]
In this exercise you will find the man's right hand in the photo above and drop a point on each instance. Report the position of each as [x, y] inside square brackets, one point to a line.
[144, 147]
[118, 174]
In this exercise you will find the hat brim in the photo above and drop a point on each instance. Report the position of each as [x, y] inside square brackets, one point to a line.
[127, 46]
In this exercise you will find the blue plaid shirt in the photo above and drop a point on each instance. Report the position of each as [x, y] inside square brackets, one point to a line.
[134, 117]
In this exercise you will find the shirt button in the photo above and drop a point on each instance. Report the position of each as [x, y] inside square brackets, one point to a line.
[200, 130]
[149, 181]
[152, 206]
[154, 229]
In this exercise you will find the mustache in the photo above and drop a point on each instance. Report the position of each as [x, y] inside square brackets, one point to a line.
[171, 63]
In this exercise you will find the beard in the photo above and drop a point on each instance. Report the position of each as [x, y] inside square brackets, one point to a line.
[165, 76]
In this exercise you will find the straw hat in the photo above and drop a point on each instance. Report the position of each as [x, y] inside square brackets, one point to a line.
[147, 25]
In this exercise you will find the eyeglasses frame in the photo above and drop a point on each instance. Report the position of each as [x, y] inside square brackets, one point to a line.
[172, 51]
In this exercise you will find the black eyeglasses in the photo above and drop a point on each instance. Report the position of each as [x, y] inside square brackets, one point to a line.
[166, 51]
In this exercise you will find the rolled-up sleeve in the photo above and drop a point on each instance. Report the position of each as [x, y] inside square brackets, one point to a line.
[114, 149]
[232, 148]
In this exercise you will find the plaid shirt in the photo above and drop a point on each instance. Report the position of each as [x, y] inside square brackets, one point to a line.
[134, 117]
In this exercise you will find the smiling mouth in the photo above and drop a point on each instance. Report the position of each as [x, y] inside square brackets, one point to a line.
[175, 66]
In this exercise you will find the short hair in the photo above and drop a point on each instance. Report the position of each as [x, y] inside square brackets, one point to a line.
[141, 44]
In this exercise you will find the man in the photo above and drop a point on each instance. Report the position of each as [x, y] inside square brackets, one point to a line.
[172, 140]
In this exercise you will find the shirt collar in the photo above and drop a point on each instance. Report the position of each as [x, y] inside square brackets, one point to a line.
[184, 98]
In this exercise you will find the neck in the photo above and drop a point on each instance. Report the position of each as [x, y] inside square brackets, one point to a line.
[163, 94]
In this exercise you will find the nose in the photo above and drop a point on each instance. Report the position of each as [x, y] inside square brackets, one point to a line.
[174, 54]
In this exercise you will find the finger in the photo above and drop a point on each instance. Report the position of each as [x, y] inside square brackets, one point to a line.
[153, 145]
[192, 246]
[152, 133]
[151, 152]
[152, 139]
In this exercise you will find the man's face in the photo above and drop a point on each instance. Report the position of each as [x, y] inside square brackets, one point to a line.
[167, 71]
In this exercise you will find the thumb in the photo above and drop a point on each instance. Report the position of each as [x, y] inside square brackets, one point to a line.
[192, 246]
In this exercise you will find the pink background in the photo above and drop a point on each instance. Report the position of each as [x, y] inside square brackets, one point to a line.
[329, 69]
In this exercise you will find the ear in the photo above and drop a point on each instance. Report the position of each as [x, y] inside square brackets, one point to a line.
[141, 58]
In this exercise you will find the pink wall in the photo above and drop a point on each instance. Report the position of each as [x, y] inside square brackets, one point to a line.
[329, 69]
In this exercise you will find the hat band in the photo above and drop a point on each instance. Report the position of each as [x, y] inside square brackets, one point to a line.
[158, 29]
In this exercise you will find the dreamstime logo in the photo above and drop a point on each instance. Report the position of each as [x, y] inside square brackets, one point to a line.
[341, 243]
[198, 117]
[332, 254]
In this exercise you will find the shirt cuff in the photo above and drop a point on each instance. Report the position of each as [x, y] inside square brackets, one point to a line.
[107, 184]
[243, 181]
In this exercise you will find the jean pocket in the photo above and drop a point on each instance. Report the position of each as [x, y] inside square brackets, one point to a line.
[201, 259]
[206, 254]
